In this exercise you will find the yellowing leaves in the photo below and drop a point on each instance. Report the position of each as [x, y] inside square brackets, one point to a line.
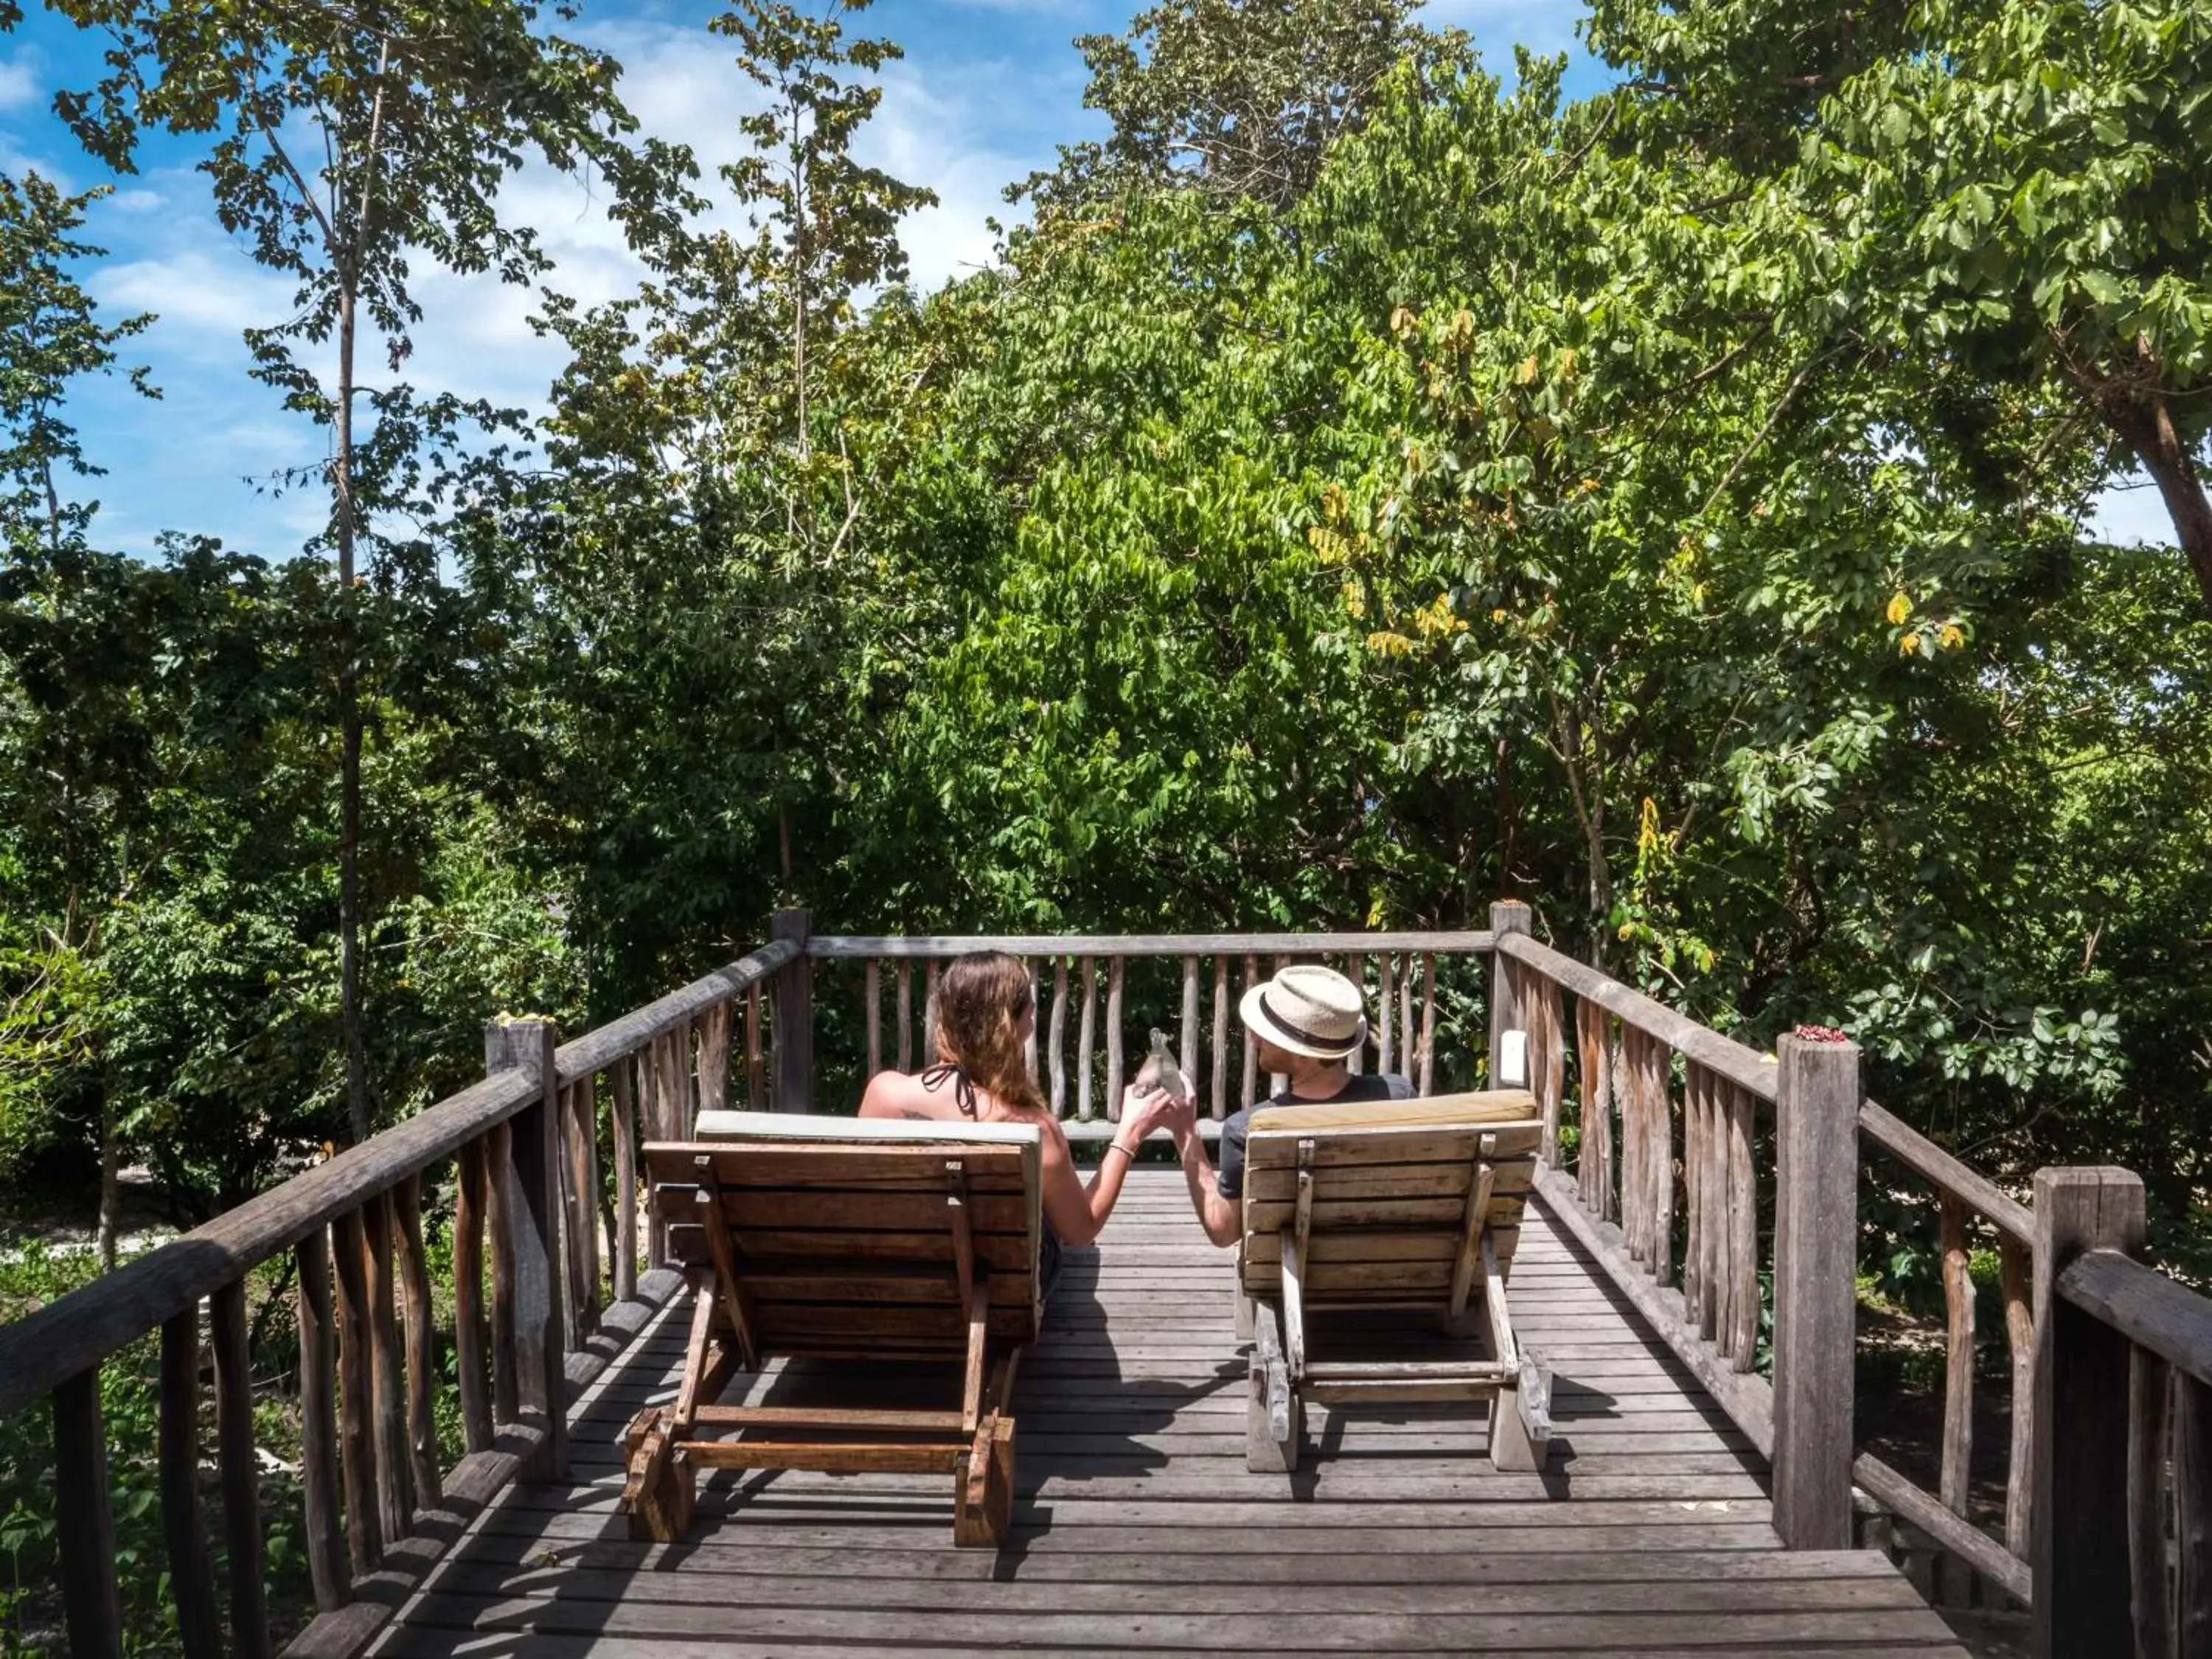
[1909, 645]
[1389, 645]
[1355, 600]
[1401, 321]
[1901, 607]
[1437, 621]
[1952, 637]
[1526, 376]
[1328, 547]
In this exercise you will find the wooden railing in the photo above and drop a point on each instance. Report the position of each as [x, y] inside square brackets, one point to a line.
[2107, 1531]
[522, 1148]
[1694, 1189]
[1400, 970]
[2122, 1487]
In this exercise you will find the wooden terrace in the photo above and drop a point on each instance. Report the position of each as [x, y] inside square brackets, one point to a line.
[1138, 1528]
[1691, 1196]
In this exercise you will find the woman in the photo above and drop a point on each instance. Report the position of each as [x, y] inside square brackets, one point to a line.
[984, 1015]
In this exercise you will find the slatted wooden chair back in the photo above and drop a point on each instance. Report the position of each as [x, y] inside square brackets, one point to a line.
[842, 1238]
[840, 1231]
[1393, 1195]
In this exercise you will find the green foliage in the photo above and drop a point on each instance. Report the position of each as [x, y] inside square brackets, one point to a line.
[1237, 98]
[2010, 198]
[1363, 491]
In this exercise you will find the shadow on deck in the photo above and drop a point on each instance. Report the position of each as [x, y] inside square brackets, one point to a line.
[1137, 1527]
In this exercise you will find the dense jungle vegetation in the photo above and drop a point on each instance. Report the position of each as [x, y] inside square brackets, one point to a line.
[1365, 486]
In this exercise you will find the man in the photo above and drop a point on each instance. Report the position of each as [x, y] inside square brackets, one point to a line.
[1309, 1023]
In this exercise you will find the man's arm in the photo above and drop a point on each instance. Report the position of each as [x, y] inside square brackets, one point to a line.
[1222, 1217]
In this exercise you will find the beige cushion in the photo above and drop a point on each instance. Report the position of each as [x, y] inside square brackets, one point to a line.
[803, 1126]
[1484, 1106]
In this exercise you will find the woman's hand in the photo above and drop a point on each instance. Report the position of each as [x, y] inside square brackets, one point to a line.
[1145, 1108]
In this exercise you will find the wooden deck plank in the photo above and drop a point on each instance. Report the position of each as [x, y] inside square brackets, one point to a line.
[1137, 1529]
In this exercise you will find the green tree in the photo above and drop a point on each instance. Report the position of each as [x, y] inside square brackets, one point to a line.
[1240, 98]
[2015, 193]
[419, 112]
[710, 562]
[68, 724]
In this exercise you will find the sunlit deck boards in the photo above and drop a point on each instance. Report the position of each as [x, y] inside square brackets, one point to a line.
[1138, 1528]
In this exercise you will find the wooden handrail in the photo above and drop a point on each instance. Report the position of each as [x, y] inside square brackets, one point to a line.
[1745, 1066]
[597, 1049]
[835, 946]
[43, 1349]
[2143, 1305]
[1705, 1322]
[1925, 1158]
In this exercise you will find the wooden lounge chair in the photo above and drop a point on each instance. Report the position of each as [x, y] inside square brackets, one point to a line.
[1392, 1204]
[842, 1238]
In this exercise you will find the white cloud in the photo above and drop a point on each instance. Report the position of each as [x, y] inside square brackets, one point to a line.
[22, 78]
[203, 297]
[927, 131]
[962, 124]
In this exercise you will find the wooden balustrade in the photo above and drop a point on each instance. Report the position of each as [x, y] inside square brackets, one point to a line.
[1680, 1136]
[2108, 1525]
[1403, 991]
[2121, 1517]
[1667, 1114]
[522, 1152]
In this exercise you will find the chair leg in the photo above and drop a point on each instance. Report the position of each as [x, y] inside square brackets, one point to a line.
[1511, 1450]
[1264, 1454]
[659, 1495]
[983, 1491]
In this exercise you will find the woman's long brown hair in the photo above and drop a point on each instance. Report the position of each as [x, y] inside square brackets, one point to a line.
[979, 1000]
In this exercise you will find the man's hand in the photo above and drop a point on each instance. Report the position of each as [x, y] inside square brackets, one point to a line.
[1181, 1119]
[1145, 1108]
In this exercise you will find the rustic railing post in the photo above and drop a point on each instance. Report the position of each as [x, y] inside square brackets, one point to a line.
[2078, 1510]
[527, 1045]
[1815, 1265]
[1507, 1070]
[794, 1019]
[84, 1526]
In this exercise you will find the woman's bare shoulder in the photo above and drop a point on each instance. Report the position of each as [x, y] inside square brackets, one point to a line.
[899, 1094]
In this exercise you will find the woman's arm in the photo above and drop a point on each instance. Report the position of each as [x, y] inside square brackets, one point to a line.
[1077, 1212]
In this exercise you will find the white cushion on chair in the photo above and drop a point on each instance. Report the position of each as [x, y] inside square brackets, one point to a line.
[804, 1125]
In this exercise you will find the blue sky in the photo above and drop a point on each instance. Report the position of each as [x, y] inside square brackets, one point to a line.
[988, 88]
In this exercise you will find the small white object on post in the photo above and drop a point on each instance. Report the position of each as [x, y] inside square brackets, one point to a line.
[1507, 917]
[1512, 1059]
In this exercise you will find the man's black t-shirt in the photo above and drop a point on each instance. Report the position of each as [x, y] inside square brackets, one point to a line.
[1359, 1087]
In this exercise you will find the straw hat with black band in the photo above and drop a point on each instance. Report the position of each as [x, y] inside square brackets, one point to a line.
[1314, 1011]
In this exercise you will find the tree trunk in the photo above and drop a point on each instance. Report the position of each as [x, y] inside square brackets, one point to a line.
[111, 1185]
[2133, 407]
[2173, 470]
[350, 736]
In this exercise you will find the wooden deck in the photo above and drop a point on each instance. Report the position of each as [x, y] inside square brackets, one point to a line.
[1137, 1529]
